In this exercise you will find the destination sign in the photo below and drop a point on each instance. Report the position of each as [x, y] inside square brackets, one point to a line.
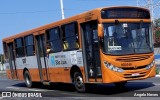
[125, 13]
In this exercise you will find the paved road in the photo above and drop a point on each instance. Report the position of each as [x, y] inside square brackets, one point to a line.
[67, 91]
[3, 74]
[97, 91]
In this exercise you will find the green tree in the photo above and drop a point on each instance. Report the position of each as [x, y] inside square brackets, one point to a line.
[157, 22]
[158, 33]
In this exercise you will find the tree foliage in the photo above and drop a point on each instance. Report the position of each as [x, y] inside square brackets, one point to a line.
[157, 33]
[157, 22]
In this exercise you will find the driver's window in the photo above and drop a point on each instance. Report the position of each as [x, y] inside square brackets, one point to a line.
[110, 30]
[112, 35]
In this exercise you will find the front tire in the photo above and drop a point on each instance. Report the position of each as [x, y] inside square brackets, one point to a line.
[78, 82]
[28, 80]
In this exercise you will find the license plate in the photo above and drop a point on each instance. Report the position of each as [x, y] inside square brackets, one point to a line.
[135, 74]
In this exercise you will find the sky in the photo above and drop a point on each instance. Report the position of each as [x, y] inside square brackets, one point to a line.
[21, 15]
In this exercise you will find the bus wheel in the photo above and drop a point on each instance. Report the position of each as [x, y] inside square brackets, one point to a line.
[27, 79]
[78, 82]
[120, 84]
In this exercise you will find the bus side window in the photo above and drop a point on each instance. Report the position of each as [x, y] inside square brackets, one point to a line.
[70, 36]
[54, 42]
[29, 45]
[19, 47]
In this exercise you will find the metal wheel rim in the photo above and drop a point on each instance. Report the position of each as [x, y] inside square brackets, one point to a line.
[27, 79]
[79, 82]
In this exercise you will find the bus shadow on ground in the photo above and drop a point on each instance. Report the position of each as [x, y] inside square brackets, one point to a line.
[109, 89]
[103, 89]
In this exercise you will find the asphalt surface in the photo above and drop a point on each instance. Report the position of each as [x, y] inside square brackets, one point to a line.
[59, 91]
[3, 75]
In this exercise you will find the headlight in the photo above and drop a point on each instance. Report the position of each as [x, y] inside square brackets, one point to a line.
[150, 65]
[112, 67]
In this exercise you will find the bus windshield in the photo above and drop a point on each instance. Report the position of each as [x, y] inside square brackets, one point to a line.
[127, 38]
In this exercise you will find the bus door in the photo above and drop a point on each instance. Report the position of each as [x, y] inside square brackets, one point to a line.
[41, 57]
[12, 61]
[91, 51]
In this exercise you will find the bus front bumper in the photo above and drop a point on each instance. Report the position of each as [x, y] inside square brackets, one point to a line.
[110, 76]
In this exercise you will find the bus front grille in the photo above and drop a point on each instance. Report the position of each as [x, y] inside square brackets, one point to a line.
[133, 68]
[142, 74]
[133, 58]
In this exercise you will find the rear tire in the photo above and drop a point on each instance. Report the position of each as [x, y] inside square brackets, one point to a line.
[120, 84]
[78, 82]
[28, 80]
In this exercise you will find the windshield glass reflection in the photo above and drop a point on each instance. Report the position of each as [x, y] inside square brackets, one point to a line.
[127, 38]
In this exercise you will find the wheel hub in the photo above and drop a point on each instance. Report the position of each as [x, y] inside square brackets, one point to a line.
[27, 79]
[79, 81]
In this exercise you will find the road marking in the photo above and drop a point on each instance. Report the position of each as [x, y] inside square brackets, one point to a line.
[34, 89]
[72, 94]
[4, 79]
[157, 75]
[156, 83]
[21, 89]
[13, 88]
[29, 89]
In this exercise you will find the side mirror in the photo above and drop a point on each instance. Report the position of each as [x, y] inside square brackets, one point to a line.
[100, 30]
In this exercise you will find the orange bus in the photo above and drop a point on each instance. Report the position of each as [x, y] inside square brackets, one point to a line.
[104, 45]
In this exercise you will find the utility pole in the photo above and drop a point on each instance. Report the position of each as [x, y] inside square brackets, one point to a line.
[62, 9]
[137, 3]
[151, 10]
[1, 67]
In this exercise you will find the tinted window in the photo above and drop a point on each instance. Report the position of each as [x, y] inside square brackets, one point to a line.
[19, 47]
[70, 36]
[53, 40]
[19, 42]
[30, 51]
[29, 40]
[53, 34]
[29, 45]
[70, 30]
